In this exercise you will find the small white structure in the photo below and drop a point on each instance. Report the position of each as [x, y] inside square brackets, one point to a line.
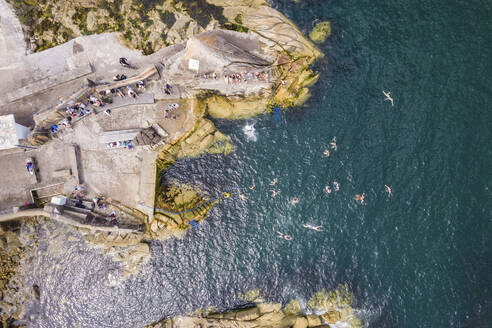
[58, 200]
[11, 132]
[194, 64]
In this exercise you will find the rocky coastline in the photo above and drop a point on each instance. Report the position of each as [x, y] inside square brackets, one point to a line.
[177, 29]
[325, 308]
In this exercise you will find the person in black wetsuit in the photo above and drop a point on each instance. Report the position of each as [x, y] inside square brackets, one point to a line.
[124, 61]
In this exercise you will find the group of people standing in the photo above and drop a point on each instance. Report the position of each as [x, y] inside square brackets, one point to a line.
[244, 77]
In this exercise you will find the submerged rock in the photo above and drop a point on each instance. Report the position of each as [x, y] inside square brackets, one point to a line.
[320, 32]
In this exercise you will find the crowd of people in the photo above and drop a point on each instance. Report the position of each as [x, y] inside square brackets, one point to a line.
[245, 77]
[239, 77]
[169, 109]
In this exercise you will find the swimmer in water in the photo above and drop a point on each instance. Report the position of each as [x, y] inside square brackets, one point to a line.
[328, 189]
[316, 228]
[336, 185]
[388, 190]
[252, 187]
[294, 200]
[326, 153]
[284, 236]
[387, 94]
[360, 198]
[333, 144]
[242, 196]
[273, 182]
[274, 193]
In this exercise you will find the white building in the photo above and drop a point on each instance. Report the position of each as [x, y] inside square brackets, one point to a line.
[11, 132]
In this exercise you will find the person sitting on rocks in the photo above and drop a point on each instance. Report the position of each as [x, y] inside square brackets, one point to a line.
[167, 90]
[99, 202]
[119, 77]
[67, 122]
[95, 101]
[119, 92]
[131, 93]
[124, 62]
[112, 217]
[141, 84]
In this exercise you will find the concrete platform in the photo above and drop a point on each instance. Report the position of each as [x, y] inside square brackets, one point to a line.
[50, 160]
[12, 44]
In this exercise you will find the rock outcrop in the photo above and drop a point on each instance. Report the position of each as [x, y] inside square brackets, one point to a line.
[263, 315]
[320, 32]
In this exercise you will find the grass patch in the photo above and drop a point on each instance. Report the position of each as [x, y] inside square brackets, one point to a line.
[168, 18]
[203, 12]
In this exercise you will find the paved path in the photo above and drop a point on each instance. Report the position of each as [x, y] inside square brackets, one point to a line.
[12, 44]
[65, 220]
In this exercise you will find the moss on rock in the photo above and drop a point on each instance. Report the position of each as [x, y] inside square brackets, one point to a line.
[320, 32]
[235, 107]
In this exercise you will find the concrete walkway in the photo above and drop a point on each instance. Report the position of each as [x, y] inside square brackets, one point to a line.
[65, 220]
[12, 44]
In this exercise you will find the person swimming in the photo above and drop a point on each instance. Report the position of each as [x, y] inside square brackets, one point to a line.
[388, 97]
[388, 190]
[360, 198]
[252, 187]
[284, 236]
[333, 143]
[336, 185]
[294, 200]
[241, 195]
[273, 182]
[316, 228]
[326, 153]
[274, 193]
[328, 189]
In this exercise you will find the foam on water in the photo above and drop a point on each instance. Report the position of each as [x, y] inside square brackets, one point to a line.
[250, 132]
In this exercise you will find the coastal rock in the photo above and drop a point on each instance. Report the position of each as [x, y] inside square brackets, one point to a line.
[313, 320]
[247, 314]
[273, 28]
[235, 107]
[320, 32]
[230, 3]
[271, 317]
[293, 308]
[301, 323]
[331, 316]
[269, 307]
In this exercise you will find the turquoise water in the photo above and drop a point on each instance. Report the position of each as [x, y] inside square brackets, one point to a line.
[421, 258]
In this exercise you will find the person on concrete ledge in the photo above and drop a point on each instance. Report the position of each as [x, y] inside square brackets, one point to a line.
[124, 62]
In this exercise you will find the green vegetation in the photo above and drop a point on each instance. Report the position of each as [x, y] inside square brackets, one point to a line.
[43, 24]
[168, 18]
[203, 12]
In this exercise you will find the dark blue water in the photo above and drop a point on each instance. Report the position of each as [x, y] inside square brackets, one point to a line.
[421, 258]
